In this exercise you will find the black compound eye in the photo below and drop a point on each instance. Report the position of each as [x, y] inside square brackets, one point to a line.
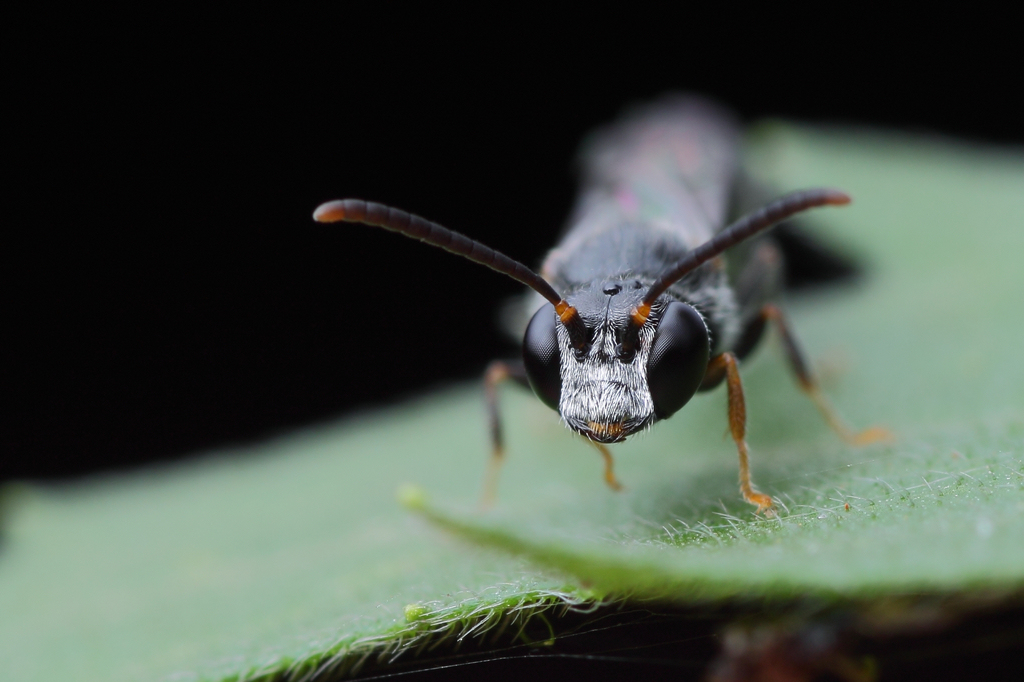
[541, 357]
[678, 360]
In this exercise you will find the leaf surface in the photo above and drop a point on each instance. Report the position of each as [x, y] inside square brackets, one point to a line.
[279, 558]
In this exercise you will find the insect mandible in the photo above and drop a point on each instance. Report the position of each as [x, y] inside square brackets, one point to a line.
[642, 310]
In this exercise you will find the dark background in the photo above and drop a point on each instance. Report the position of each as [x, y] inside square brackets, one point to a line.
[164, 289]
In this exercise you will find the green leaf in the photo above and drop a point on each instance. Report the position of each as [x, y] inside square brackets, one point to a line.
[270, 561]
[929, 347]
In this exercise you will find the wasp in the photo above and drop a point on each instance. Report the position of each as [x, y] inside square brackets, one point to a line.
[656, 290]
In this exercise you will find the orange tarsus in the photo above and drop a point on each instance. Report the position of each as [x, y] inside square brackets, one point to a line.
[738, 429]
[609, 473]
[496, 373]
[809, 385]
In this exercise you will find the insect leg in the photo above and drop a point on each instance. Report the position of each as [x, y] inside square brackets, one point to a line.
[714, 375]
[496, 373]
[609, 474]
[810, 386]
[726, 364]
[758, 282]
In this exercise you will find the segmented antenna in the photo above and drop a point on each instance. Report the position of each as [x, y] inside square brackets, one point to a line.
[744, 228]
[395, 220]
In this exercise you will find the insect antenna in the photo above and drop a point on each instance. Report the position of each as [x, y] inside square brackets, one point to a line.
[395, 220]
[744, 228]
